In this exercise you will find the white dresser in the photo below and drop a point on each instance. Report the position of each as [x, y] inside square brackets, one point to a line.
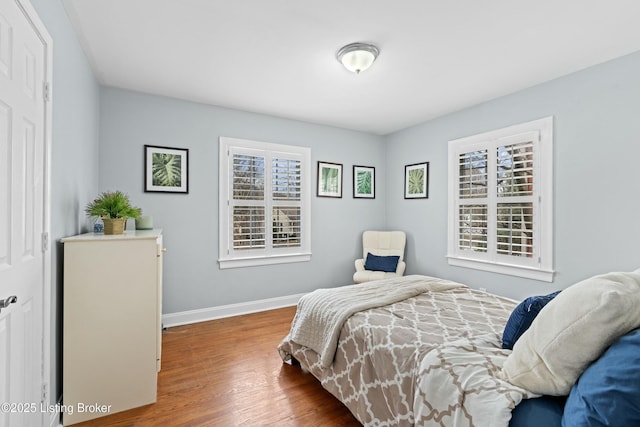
[112, 328]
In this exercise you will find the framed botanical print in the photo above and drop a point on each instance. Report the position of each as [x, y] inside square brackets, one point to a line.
[364, 182]
[166, 169]
[416, 181]
[329, 179]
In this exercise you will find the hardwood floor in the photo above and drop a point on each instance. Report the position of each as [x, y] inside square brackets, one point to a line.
[227, 372]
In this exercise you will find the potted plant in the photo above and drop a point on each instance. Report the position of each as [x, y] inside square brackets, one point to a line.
[114, 208]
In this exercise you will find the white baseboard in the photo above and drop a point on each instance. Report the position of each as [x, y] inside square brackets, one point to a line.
[211, 313]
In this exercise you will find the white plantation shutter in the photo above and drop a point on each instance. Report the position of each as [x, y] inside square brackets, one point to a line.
[472, 178]
[286, 208]
[248, 227]
[500, 197]
[514, 229]
[247, 203]
[473, 227]
[515, 185]
[514, 166]
[264, 203]
[472, 204]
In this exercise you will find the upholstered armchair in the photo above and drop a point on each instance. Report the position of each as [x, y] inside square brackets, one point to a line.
[382, 256]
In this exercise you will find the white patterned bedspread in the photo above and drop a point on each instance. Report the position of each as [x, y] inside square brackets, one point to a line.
[404, 364]
[321, 314]
[458, 385]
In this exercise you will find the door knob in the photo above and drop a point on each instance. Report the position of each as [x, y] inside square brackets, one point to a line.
[4, 303]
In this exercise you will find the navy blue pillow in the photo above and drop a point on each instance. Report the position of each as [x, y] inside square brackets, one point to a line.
[522, 316]
[608, 391]
[388, 264]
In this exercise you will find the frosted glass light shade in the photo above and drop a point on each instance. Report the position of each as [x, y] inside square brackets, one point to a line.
[357, 57]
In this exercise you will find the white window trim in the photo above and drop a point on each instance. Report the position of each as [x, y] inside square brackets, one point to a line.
[542, 268]
[228, 258]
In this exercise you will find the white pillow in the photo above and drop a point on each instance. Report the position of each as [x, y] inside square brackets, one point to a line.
[572, 331]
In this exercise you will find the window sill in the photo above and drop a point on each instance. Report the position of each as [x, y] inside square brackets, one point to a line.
[263, 260]
[509, 269]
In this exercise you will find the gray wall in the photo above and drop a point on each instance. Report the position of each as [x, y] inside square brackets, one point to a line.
[192, 279]
[74, 157]
[596, 150]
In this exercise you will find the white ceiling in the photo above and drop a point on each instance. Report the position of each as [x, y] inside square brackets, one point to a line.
[277, 57]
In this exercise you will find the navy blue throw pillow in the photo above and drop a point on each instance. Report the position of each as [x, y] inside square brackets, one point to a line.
[387, 264]
[522, 317]
[608, 391]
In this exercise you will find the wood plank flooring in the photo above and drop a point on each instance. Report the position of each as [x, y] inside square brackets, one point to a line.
[227, 372]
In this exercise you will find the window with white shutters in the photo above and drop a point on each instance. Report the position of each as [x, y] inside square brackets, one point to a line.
[264, 203]
[500, 201]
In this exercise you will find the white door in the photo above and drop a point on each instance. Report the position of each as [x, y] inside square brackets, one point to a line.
[22, 214]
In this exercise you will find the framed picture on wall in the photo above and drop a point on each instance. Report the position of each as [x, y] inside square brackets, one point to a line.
[416, 181]
[364, 182]
[329, 179]
[166, 169]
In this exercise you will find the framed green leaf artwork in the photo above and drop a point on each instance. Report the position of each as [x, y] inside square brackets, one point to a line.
[329, 179]
[364, 182]
[166, 169]
[416, 181]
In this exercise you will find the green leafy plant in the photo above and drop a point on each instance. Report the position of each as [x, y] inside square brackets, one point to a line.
[416, 181]
[166, 169]
[330, 179]
[112, 204]
[364, 182]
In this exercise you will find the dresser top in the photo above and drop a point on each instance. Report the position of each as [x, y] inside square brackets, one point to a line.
[128, 235]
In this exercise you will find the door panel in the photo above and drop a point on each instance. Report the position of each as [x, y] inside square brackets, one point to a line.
[22, 195]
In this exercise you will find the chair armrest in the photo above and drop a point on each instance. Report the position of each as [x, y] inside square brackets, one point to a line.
[400, 268]
[359, 265]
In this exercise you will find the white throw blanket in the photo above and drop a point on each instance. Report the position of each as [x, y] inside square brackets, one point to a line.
[321, 313]
[458, 385]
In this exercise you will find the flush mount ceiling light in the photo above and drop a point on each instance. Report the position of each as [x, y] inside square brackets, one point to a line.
[357, 57]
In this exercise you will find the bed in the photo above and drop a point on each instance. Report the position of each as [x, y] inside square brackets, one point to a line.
[420, 350]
